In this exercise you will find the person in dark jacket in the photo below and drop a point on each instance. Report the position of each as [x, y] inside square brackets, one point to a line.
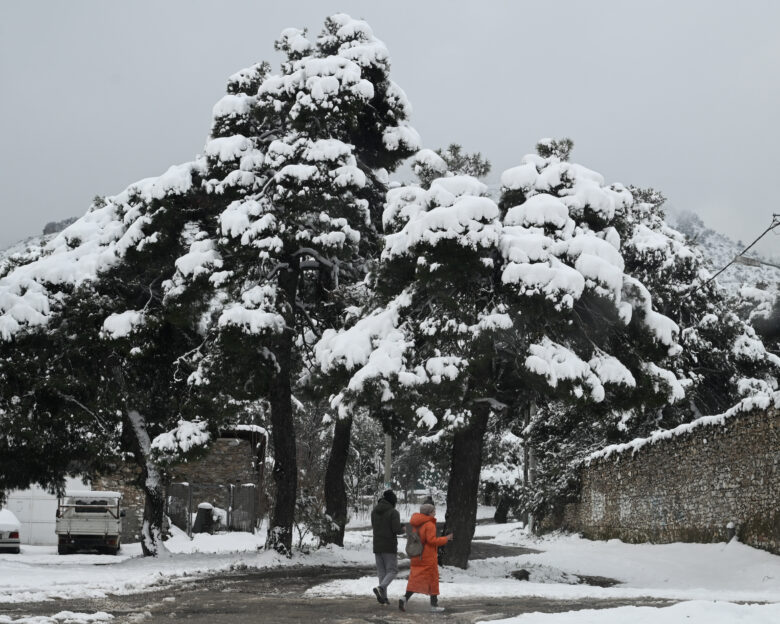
[386, 523]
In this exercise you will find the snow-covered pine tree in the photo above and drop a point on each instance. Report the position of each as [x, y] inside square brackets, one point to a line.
[425, 354]
[721, 360]
[759, 306]
[299, 224]
[201, 289]
[87, 325]
[723, 357]
[429, 165]
[487, 309]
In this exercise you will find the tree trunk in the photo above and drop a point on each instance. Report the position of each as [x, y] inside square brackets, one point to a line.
[282, 425]
[154, 513]
[153, 487]
[335, 490]
[462, 488]
[502, 510]
[285, 463]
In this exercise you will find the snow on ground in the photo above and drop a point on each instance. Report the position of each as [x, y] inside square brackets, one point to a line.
[63, 617]
[677, 571]
[709, 577]
[693, 612]
[39, 573]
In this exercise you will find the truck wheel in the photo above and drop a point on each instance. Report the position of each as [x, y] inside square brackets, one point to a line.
[63, 550]
[18, 550]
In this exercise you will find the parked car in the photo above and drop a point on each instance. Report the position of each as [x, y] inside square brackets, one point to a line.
[89, 520]
[9, 532]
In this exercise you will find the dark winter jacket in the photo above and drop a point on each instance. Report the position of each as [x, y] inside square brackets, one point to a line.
[386, 523]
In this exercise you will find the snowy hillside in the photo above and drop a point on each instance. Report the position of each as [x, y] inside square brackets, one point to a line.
[32, 245]
[719, 250]
[29, 247]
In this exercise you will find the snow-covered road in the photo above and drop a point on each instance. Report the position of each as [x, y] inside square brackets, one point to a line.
[707, 574]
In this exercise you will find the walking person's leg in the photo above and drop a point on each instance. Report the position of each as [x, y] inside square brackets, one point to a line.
[381, 572]
[435, 608]
[380, 566]
[391, 571]
[402, 601]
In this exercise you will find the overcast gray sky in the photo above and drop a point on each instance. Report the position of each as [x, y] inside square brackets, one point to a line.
[681, 96]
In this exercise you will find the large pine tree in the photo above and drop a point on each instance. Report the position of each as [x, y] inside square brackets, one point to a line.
[483, 308]
[722, 359]
[198, 293]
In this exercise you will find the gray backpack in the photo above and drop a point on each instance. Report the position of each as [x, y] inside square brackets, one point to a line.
[414, 546]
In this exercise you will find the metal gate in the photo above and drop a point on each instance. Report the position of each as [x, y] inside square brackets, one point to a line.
[242, 511]
[240, 502]
[179, 510]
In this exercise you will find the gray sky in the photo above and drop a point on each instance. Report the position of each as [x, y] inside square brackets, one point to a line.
[681, 96]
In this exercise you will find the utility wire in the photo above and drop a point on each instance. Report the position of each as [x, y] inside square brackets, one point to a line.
[772, 226]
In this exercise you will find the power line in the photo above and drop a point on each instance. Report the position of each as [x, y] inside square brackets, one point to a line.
[775, 223]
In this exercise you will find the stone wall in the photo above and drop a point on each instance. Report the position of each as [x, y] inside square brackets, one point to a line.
[123, 480]
[228, 461]
[688, 487]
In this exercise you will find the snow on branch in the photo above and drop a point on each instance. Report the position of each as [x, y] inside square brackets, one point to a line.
[186, 437]
[122, 324]
[557, 363]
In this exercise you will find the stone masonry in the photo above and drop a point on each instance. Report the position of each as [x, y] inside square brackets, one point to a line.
[688, 487]
[229, 461]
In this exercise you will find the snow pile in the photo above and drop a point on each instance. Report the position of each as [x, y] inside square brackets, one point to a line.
[63, 617]
[256, 313]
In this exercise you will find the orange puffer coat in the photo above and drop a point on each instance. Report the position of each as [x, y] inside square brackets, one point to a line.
[424, 575]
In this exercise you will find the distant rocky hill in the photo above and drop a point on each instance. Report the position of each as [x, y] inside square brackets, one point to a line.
[719, 250]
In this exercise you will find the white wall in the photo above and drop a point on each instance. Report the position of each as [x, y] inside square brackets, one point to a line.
[36, 509]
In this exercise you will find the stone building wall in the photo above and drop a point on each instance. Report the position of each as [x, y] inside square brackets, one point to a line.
[228, 461]
[123, 481]
[688, 487]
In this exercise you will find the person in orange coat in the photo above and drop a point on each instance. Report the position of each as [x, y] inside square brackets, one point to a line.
[424, 574]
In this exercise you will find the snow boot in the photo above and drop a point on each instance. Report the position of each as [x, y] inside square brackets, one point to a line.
[402, 604]
[380, 595]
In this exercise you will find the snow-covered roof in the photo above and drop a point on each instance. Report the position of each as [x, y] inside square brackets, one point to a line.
[91, 494]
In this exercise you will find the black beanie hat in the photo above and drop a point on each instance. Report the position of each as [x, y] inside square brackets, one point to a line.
[390, 497]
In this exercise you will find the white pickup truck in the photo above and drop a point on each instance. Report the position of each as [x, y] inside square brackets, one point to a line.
[89, 520]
